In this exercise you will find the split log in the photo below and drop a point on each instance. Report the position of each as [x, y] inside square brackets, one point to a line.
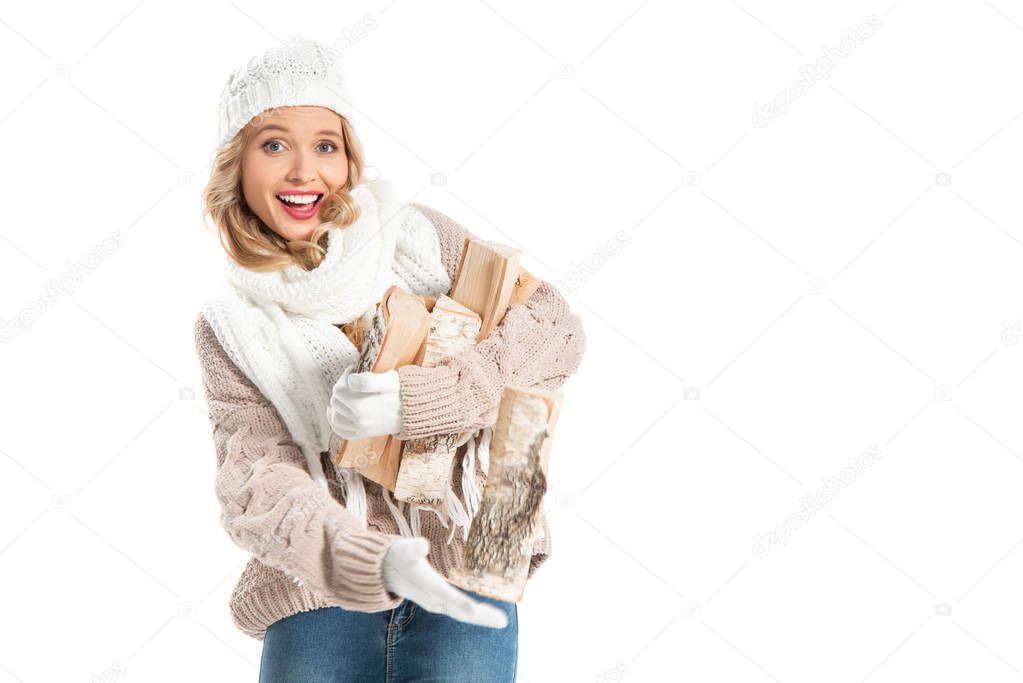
[481, 292]
[397, 333]
[453, 329]
[424, 475]
[525, 284]
[497, 553]
[485, 280]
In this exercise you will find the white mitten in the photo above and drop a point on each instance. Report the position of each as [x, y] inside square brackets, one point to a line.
[365, 404]
[408, 573]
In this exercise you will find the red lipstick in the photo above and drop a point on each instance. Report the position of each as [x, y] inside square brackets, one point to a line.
[300, 211]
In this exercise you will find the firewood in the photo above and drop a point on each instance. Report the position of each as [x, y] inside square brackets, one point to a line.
[424, 473]
[485, 280]
[497, 553]
[398, 330]
[525, 284]
[480, 296]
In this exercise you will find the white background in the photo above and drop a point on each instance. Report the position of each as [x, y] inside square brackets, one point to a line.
[761, 304]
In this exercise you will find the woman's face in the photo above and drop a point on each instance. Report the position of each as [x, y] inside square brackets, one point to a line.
[296, 153]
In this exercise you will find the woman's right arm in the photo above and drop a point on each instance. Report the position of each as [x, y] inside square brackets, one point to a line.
[271, 506]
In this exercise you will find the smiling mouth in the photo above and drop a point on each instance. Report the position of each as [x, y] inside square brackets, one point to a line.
[299, 206]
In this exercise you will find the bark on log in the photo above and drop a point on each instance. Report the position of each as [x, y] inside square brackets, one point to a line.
[424, 474]
[394, 339]
[501, 535]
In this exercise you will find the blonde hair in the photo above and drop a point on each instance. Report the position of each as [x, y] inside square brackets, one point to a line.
[249, 241]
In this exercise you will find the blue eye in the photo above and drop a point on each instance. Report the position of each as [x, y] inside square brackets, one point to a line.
[332, 147]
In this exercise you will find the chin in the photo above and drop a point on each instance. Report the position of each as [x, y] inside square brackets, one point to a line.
[296, 233]
[292, 231]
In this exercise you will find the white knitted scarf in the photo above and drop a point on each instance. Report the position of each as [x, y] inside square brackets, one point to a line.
[281, 329]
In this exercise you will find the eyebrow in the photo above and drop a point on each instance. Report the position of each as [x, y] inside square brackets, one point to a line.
[274, 126]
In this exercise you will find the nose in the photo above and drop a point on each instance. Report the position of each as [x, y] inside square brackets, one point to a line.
[302, 169]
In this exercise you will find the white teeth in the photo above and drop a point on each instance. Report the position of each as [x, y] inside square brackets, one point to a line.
[299, 198]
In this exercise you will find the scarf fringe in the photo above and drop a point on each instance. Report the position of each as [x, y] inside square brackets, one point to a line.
[453, 513]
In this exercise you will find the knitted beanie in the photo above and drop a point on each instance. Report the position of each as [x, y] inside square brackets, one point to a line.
[300, 72]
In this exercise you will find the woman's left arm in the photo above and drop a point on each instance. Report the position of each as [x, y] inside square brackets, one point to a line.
[538, 343]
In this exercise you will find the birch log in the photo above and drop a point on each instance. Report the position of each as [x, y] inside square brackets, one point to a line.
[397, 333]
[501, 536]
[425, 471]
[487, 281]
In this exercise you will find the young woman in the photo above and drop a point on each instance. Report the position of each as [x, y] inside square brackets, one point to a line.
[345, 583]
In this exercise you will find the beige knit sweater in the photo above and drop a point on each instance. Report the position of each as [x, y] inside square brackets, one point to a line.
[307, 550]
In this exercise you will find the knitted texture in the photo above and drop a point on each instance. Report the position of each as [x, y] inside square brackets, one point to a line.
[280, 327]
[538, 343]
[307, 550]
[300, 72]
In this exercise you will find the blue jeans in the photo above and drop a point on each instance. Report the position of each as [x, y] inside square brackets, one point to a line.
[407, 643]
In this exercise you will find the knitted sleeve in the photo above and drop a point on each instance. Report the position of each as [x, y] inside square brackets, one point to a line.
[538, 343]
[270, 506]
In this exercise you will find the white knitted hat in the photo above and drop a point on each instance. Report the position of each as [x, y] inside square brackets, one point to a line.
[300, 72]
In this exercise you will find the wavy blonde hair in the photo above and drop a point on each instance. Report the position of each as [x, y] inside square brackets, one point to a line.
[249, 241]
